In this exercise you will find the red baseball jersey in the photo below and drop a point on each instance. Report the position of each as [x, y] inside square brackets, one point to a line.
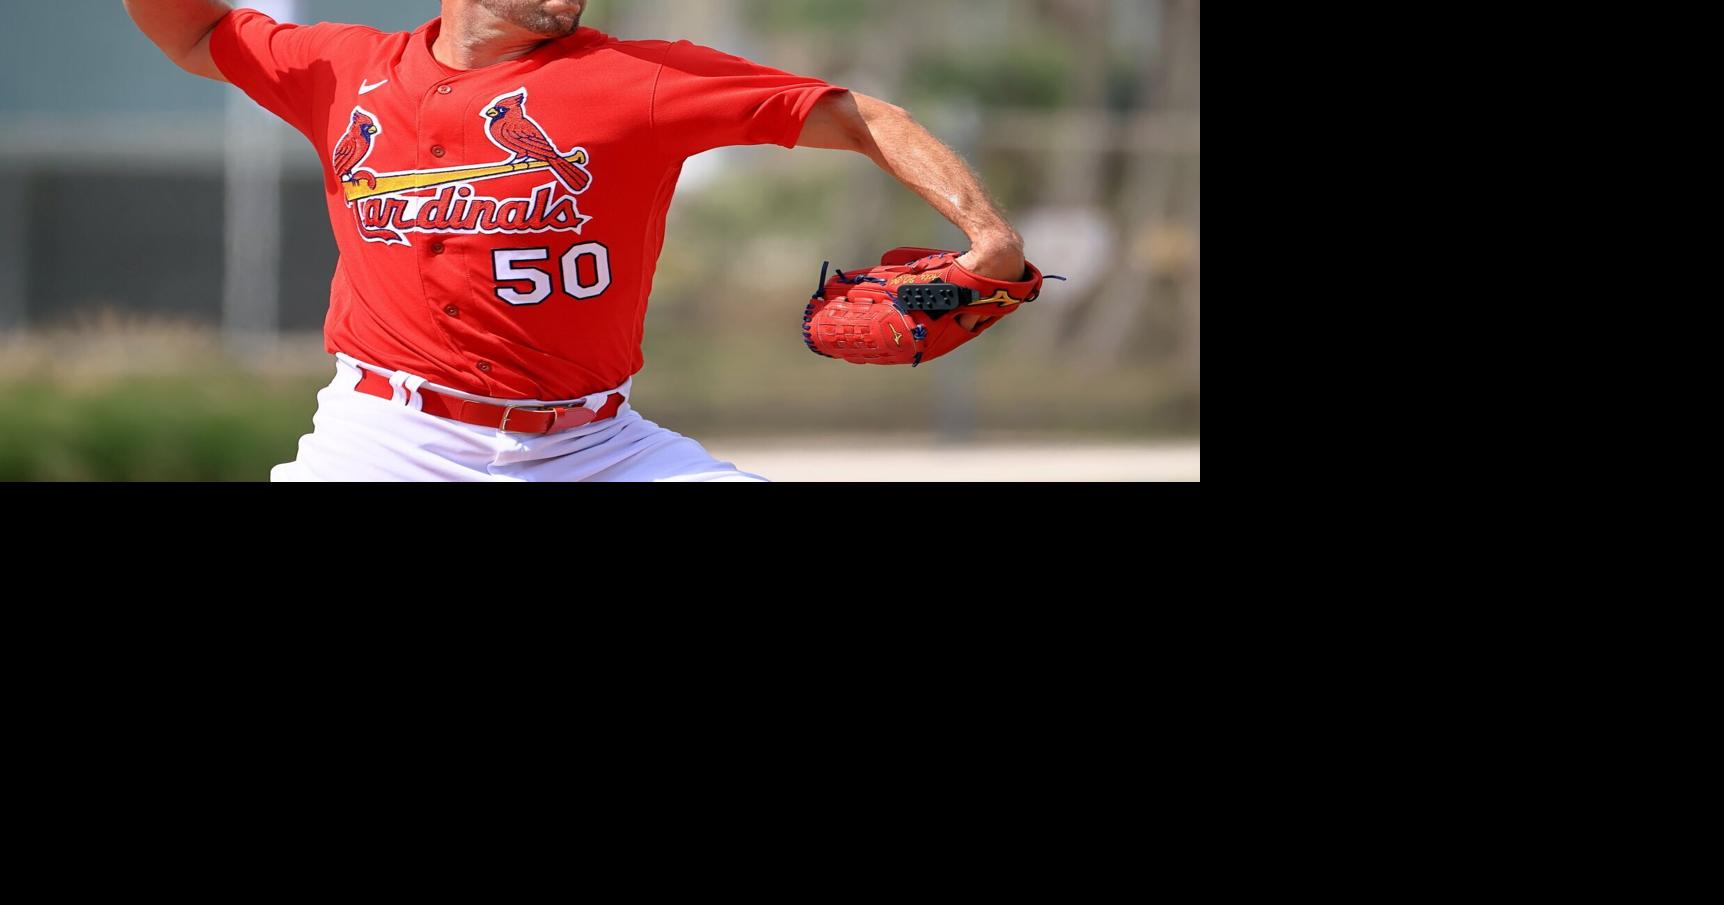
[499, 227]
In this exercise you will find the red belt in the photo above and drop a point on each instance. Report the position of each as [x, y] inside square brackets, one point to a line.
[535, 419]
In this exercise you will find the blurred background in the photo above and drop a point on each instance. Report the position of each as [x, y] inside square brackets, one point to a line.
[160, 343]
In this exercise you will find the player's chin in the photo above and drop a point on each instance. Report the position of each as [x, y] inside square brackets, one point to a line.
[557, 26]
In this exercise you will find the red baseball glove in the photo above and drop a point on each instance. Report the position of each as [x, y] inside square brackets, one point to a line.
[915, 307]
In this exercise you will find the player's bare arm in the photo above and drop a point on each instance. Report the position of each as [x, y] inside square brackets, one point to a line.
[181, 28]
[899, 145]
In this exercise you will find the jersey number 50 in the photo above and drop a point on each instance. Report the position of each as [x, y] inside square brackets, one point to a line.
[588, 285]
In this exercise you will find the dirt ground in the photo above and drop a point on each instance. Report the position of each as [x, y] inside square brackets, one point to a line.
[915, 461]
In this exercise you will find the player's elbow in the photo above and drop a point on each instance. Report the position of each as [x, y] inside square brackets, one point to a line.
[866, 123]
[197, 59]
[874, 110]
[185, 42]
[881, 122]
[848, 121]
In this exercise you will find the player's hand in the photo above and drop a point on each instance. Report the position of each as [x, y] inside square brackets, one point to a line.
[1001, 261]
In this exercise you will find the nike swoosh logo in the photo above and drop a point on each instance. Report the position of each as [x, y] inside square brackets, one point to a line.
[365, 88]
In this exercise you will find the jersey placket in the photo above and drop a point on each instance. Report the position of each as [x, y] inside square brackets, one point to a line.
[442, 262]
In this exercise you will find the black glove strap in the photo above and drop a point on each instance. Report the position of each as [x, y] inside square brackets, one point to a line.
[935, 299]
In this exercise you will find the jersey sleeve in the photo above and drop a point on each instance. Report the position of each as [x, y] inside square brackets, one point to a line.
[707, 99]
[284, 67]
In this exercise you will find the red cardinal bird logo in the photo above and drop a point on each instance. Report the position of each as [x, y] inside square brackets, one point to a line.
[355, 146]
[514, 131]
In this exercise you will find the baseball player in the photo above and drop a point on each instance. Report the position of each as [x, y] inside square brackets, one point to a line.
[498, 181]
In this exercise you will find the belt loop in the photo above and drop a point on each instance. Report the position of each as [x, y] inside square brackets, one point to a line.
[605, 398]
[415, 401]
[348, 375]
[399, 396]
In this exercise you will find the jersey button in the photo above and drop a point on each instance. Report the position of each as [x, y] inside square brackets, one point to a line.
[452, 311]
[437, 248]
[437, 151]
[444, 89]
[485, 366]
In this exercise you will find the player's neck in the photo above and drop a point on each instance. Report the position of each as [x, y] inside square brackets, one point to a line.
[479, 39]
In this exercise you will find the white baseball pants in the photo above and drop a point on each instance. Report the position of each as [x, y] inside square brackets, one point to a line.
[359, 437]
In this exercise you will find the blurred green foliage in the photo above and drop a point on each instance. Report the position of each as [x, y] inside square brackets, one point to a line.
[1033, 74]
[178, 428]
[830, 18]
[233, 426]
